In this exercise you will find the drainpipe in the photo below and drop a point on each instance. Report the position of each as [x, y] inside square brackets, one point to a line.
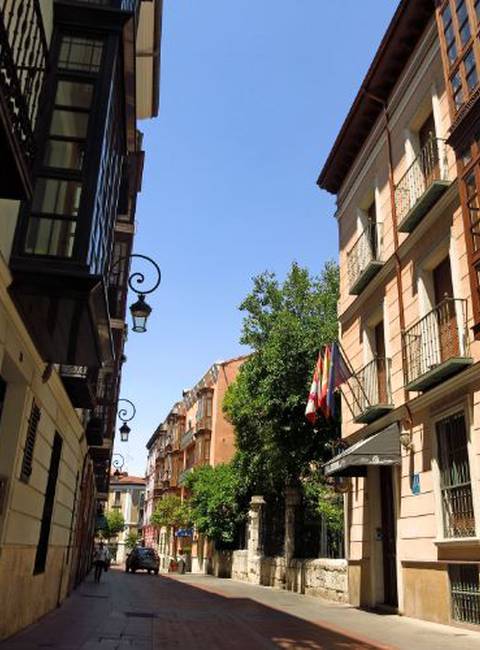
[398, 263]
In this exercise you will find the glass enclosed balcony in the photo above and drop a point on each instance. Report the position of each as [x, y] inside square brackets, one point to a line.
[436, 346]
[364, 258]
[422, 184]
[372, 394]
[23, 64]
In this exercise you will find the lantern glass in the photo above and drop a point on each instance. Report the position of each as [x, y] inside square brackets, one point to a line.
[140, 311]
[124, 432]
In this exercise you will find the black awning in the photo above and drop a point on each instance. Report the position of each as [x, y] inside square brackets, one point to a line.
[383, 448]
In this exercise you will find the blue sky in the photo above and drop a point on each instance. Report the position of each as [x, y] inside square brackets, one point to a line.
[253, 93]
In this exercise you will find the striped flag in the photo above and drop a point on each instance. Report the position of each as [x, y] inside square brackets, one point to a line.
[339, 373]
[314, 394]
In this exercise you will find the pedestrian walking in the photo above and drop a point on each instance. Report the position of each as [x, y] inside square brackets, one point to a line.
[182, 562]
[100, 559]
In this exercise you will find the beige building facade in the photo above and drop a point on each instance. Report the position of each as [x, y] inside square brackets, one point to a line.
[70, 173]
[408, 323]
[127, 496]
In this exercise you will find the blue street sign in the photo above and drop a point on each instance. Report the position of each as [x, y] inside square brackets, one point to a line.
[416, 484]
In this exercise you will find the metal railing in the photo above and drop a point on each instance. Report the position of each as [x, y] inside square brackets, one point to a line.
[373, 386]
[366, 249]
[465, 592]
[78, 372]
[23, 63]
[437, 337]
[458, 514]
[186, 439]
[430, 165]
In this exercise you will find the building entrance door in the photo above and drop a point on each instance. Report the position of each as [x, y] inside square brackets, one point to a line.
[448, 344]
[389, 536]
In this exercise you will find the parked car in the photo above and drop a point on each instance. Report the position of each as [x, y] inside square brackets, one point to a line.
[142, 558]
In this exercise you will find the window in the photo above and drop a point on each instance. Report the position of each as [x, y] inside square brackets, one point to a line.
[463, 24]
[470, 71]
[449, 34]
[457, 90]
[54, 196]
[465, 592]
[118, 497]
[83, 54]
[50, 237]
[42, 547]
[455, 481]
[29, 447]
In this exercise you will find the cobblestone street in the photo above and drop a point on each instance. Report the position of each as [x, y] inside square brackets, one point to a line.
[146, 612]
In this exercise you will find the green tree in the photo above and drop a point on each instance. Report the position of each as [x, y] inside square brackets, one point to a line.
[114, 524]
[131, 539]
[171, 512]
[215, 501]
[285, 325]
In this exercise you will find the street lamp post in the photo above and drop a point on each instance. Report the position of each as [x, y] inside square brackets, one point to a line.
[124, 417]
[118, 461]
[140, 309]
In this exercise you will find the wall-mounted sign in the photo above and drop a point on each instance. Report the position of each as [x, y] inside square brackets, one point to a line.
[416, 484]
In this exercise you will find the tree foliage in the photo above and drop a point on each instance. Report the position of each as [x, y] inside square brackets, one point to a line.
[171, 512]
[114, 524]
[215, 501]
[285, 325]
[131, 540]
[324, 502]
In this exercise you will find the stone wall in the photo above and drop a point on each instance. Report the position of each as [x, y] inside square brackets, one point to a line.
[321, 577]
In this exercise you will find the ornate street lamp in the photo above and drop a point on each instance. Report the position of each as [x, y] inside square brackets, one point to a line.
[118, 461]
[123, 416]
[140, 309]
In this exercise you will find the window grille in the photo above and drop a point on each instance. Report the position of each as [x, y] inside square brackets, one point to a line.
[27, 461]
[455, 482]
[465, 592]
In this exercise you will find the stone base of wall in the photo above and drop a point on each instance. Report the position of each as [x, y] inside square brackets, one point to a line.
[24, 597]
[323, 578]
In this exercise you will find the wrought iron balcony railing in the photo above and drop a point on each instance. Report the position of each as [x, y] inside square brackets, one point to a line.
[23, 63]
[422, 184]
[437, 345]
[80, 383]
[186, 439]
[364, 259]
[372, 393]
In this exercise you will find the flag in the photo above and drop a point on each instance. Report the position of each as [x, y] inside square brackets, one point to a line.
[313, 396]
[326, 369]
[339, 373]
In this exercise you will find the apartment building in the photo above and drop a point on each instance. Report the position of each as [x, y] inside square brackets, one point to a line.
[127, 495]
[75, 76]
[404, 168]
[195, 433]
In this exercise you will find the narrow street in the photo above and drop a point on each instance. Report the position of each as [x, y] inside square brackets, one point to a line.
[198, 612]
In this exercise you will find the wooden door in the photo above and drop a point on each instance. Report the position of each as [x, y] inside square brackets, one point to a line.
[389, 535]
[429, 160]
[447, 336]
[381, 363]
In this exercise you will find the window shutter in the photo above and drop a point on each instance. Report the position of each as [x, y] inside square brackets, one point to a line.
[30, 443]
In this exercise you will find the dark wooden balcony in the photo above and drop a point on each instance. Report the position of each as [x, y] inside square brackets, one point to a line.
[437, 345]
[372, 394]
[364, 258]
[81, 385]
[94, 431]
[422, 184]
[23, 64]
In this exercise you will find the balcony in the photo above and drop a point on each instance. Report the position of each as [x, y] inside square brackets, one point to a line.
[80, 382]
[422, 184]
[203, 424]
[186, 439]
[23, 63]
[436, 346]
[183, 475]
[364, 258]
[372, 394]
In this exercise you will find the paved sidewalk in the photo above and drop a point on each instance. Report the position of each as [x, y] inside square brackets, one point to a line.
[142, 612]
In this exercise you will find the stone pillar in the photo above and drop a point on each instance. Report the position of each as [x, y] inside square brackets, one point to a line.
[292, 499]
[254, 544]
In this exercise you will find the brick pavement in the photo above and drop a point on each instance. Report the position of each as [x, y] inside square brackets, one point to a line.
[142, 612]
